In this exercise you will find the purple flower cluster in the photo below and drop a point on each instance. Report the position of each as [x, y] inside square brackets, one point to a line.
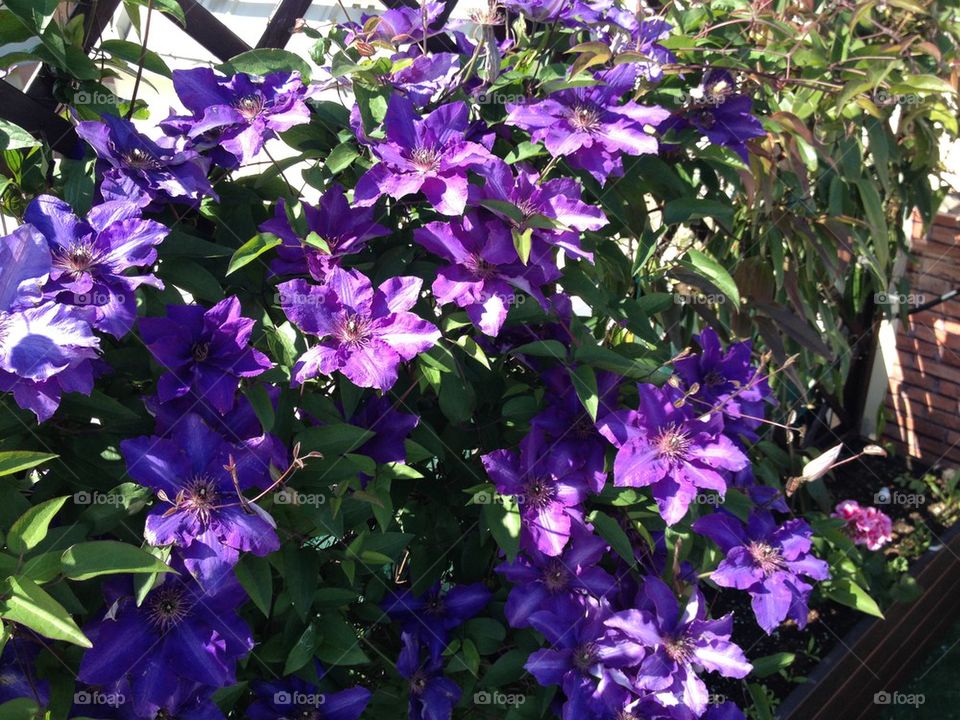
[365, 331]
[233, 117]
[61, 278]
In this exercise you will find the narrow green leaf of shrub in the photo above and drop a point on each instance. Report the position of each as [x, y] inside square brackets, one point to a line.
[31, 528]
[108, 557]
[26, 603]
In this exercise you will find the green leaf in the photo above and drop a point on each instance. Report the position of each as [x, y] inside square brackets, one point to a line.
[143, 584]
[263, 61]
[131, 51]
[610, 530]
[502, 516]
[27, 603]
[251, 250]
[585, 383]
[523, 242]
[686, 209]
[108, 557]
[333, 439]
[846, 592]
[16, 461]
[543, 348]
[31, 527]
[770, 664]
[705, 266]
[14, 137]
[302, 651]
[20, 709]
[341, 157]
[256, 577]
[340, 645]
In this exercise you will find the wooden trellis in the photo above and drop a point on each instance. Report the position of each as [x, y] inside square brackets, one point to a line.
[37, 111]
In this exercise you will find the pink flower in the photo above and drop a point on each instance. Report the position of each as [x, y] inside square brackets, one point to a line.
[865, 525]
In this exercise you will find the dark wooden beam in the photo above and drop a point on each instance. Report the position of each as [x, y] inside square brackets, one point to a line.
[280, 27]
[216, 37]
[39, 120]
[96, 15]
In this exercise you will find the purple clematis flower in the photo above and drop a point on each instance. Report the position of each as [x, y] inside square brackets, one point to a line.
[549, 487]
[431, 616]
[590, 126]
[18, 671]
[205, 352]
[432, 695]
[542, 582]
[425, 76]
[720, 114]
[239, 113]
[671, 449]
[579, 658]
[677, 645]
[485, 270]
[181, 633]
[46, 348]
[568, 12]
[557, 201]
[564, 422]
[429, 155]
[391, 426]
[766, 561]
[90, 258]
[400, 25]
[365, 332]
[344, 229]
[728, 382]
[189, 701]
[296, 699]
[642, 38]
[201, 511]
[135, 167]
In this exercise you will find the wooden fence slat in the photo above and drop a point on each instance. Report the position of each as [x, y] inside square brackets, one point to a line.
[207, 30]
[280, 27]
[37, 119]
